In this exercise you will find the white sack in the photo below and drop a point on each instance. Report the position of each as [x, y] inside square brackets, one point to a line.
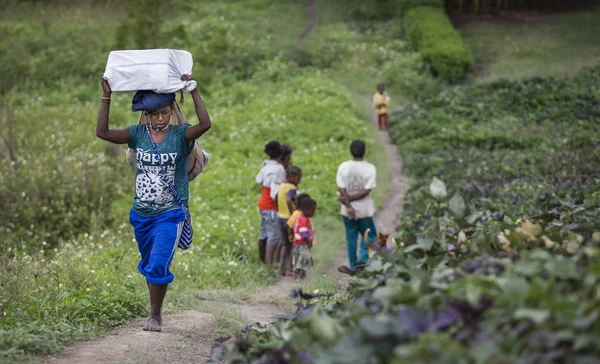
[158, 70]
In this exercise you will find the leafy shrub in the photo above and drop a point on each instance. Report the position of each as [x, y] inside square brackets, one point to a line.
[500, 265]
[44, 52]
[55, 185]
[403, 6]
[370, 10]
[377, 10]
[440, 45]
[144, 27]
[362, 59]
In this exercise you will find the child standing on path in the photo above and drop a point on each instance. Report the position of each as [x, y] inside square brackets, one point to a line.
[303, 237]
[381, 101]
[270, 176]
[286, 203]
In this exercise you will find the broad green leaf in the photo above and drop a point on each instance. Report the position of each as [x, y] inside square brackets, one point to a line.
[536, 315]
[562, 268]
[586, 322]
[385, 293]
[377, 327]
[437, 188]
[528, 268]
[582, 341]
[474, 217]
[516, 287]
[411, 248]
[473, 294]
[375, 266]
[425, 242]
[540, 254]
[457, 206]
[507, 220]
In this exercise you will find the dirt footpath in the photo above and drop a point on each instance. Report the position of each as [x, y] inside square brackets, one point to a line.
[188, 336]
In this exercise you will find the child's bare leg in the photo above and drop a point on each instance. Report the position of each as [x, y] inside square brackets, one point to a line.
[157, 296]
[277, 252]
[262, 248]
[269, 255]
[282, 256]
[290, 262]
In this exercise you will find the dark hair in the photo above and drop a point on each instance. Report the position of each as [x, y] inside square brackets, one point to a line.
[301, 199]
[273, 149]
[309, 203]
[293, 171]
[286, 151]
[358, 148]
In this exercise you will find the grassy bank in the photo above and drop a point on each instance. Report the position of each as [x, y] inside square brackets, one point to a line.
[545, 45]
[69, 256]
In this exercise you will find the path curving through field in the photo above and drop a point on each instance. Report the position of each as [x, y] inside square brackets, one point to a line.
[188, 336]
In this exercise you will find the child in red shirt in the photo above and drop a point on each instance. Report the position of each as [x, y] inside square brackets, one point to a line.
[303, 237]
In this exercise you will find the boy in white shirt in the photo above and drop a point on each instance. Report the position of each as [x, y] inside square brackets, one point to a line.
[355, 180]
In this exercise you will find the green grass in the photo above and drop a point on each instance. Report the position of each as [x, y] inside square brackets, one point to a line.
[69, 260]
[541, 46]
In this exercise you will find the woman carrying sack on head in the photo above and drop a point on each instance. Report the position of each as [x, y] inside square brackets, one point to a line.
[159, 214]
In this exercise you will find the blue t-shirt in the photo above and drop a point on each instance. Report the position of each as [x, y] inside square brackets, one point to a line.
[152, 194]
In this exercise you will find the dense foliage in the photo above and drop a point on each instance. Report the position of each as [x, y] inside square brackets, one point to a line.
[499, 265]
[440, 45]
[373, 10]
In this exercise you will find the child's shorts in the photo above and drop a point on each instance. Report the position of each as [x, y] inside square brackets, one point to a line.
[157, 238]
[302, 257]
[269, 227]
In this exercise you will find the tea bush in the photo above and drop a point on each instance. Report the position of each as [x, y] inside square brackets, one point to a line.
[362, 58]
[497, 256]
[440, 45]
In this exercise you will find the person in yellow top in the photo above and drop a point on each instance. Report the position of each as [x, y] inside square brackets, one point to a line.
[381, 102]
[286, 203]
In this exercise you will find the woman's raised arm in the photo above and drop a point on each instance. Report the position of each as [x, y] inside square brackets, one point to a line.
[195, 131]
[117, 136]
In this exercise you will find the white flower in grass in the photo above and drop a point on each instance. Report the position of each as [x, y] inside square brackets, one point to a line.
[228, 272]
[92, 271]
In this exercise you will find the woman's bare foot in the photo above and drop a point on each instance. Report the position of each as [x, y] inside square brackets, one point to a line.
[153, 324]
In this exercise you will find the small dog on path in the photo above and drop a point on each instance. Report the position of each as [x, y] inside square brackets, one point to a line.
[376, 246]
